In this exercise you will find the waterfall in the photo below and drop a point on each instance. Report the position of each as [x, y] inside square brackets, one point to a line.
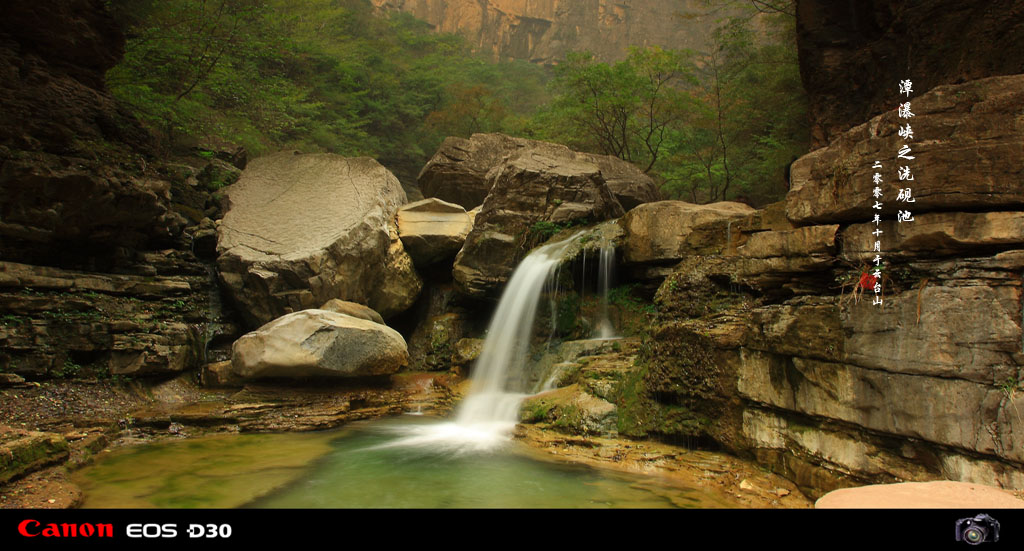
[498, 384]
[605, 329]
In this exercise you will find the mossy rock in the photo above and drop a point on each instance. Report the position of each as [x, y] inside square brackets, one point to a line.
[23, 452]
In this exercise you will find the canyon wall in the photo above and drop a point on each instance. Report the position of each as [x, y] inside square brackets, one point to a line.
[853, 54]
[543, 31]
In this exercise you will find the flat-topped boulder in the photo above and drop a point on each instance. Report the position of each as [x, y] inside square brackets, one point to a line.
[318, 343]
[432, 229]
[669, 231]
[302, 229]
[458, 171]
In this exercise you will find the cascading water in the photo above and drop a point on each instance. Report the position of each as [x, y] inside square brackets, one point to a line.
[605, 330]
[491, 408]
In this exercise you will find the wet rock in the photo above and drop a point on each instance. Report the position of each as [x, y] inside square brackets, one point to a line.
[54, 55]
[800, 242]
[52, 206]
[219, 374]
[10, 379]
[530, 191]
[44, 277]
[572, 410]
[930, 408]
[303, 229]
[23, 452]
[432, 230]
[175, 349]
[466, 351]
[458, 171]
[433, 343]
[318, 343]
[400, 283]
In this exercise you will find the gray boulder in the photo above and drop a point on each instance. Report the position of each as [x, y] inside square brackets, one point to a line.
[318, 343]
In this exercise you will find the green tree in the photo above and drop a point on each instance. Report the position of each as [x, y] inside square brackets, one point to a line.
[624, 109]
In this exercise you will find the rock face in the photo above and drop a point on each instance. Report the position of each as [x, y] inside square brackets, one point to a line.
[318, 343]
[543, 32]
[853, 54]
[773, 347]
[667, 231]
[528, 190]
[48, 205]
[53, 57]
[967, 156]
[303, 229]
[61, 194]
[432, 230]
[458, 171]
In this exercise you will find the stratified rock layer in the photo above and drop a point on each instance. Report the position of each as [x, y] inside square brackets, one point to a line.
[663, 231]
[458, 171]
[318, 343]
[967, 149]
[303, 229]
[775, 345]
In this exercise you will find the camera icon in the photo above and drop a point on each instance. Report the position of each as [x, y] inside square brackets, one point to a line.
[978, 529]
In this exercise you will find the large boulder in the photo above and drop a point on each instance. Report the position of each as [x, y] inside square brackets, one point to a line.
[432, 230]
[458, 171]
[301, 229]
[968, 148]
[531, 194]
[318, 343]
[669, 231]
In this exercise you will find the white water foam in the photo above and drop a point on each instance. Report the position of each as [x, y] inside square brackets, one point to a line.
[489, 413]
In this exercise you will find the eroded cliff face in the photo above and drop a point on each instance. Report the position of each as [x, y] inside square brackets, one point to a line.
[853, 54]
[543, 31]
[98, 274]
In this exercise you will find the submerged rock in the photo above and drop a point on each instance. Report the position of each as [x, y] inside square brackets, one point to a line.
[458, 171]
[319, 343]
[303, 229]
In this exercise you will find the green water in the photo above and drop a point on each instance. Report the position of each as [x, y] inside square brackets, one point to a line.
[345, 470]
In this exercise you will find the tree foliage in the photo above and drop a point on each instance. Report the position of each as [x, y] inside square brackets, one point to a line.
[318, 75]
[719, 124]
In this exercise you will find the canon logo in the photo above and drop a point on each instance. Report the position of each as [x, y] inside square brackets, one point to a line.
[31, 528]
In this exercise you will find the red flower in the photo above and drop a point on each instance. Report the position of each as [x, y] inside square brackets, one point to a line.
[867, 281]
